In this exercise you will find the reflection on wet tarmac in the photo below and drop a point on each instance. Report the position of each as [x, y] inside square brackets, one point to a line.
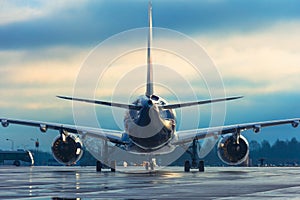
[133, 183]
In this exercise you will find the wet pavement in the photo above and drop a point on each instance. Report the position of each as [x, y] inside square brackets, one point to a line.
[134, 183]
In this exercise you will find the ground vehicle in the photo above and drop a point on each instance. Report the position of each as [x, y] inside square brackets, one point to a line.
[17, 158]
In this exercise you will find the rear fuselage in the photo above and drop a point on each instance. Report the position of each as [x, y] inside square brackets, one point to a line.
[151, 127]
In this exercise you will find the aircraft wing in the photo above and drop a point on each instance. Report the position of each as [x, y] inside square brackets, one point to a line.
[109, 135]
[187, 136]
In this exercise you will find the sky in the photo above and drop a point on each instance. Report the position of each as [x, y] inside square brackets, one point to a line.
[255, 46]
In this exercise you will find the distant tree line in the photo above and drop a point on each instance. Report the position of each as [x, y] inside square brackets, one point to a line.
[280, 153]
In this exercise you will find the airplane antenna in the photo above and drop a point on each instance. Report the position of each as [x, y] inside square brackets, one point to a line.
[149, 90]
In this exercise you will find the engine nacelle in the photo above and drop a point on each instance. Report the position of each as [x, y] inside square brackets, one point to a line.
[67, 152]
[256, 128]
[295, 124]
[4, 123]
[231, 152]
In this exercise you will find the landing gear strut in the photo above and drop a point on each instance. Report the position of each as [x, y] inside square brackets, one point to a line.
[100, 165]
[193, 153]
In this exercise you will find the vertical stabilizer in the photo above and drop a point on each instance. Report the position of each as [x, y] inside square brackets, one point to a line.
[149, 90]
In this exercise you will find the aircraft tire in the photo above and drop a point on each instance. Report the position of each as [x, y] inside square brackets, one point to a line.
[201, 166]
[151, 165]
[113, 166]
[187, 166]
[98, 166]
[17, 163]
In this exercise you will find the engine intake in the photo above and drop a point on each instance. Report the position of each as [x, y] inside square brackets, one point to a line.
[67, 151]
[231, 152]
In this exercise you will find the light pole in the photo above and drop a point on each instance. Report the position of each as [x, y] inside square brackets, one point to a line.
[37, 144]
[12, 144]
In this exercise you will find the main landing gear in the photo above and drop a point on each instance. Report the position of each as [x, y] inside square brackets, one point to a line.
[103, 165]
[100, 166]
[194, 165]
[149, 166]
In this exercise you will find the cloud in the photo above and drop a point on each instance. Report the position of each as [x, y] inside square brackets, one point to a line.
[223, 17]
[30, 79]
[88, 22]
[258, 62]
[250, 64]
[15, 11]
[83, 23]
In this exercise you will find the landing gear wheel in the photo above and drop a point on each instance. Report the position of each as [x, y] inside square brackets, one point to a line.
[113, 165]
[17, 163]
[147, 166]
[201, 166]
[151, 165]
[187, 166]
[98, 166]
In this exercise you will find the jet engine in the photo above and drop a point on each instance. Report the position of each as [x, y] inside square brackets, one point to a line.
[67, 150]
[232, 152]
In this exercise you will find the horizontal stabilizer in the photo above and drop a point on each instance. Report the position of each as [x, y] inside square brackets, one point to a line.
[105, 103]
[180, 105]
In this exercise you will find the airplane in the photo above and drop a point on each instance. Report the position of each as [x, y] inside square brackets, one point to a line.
[150, 128]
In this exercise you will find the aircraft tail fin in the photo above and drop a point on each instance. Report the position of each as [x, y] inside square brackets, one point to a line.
[149, 86]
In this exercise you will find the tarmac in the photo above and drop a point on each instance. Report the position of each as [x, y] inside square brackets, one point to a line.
[135, 183]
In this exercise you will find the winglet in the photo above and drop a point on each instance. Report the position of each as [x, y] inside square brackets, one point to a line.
[149, 89]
